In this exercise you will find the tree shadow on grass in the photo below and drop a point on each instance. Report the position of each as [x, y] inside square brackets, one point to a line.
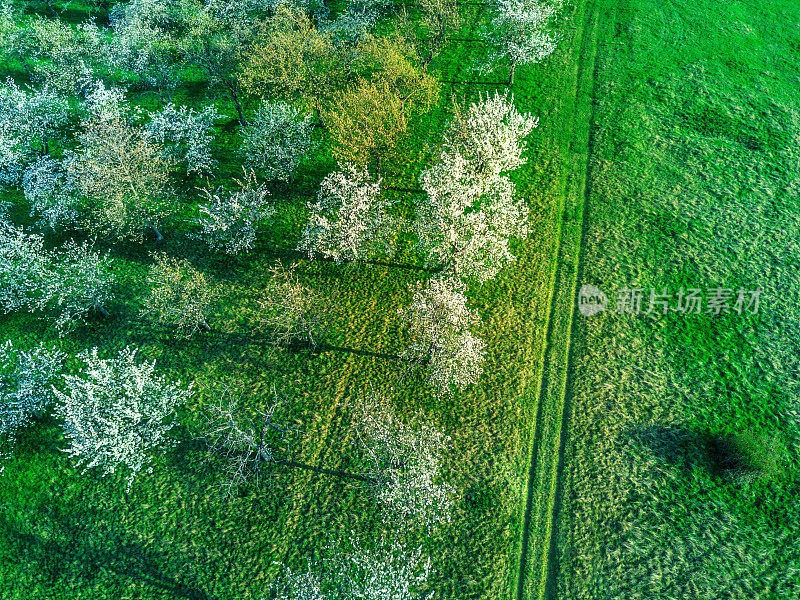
[67, 548]
[734, 457]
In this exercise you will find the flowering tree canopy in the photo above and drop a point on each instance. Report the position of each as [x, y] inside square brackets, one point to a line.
[29, 122]
[517, 34]
[348, 222]
[290, 311]
[230, 220]
[117, 411]
[52, 194]
[180, 295]
[469, 210]
[183, 135]
[26, 380]
[405, 463]
[387, 570]
[121, 172]
[65, 283]
[275, 141]
[439, 321]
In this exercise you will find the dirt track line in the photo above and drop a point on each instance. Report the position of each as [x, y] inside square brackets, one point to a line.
[538, 548]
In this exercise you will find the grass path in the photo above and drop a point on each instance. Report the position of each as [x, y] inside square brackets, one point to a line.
[537, 548]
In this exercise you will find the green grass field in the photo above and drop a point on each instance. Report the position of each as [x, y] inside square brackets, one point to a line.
[694, 177]
[594, 459]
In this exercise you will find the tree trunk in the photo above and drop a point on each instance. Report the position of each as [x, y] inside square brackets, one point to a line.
[101, 309]
[511, 74]
[159, 237]
[204, 326]
[235, 97]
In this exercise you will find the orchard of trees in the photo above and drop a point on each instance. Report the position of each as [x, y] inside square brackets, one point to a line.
[90, 173]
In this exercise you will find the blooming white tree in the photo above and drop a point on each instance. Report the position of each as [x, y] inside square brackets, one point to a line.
[180, 295]
[183, 135]
[25, 270]
[468, 242]
[116, 412]
[231, 220]
[275, 140]
[52, 194]
[82, 281]
[290, 311]
[358, 18]
[348, 222]
[490, 135]
[143, 42]
[64, 57]
[66, 283]
[26, 379]
[439, 322]
[29, 123]
[518, 35]
[405, 462]
[106, 103]
[469, 210]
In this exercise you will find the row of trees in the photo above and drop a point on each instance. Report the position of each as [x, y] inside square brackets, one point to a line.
[117, 412]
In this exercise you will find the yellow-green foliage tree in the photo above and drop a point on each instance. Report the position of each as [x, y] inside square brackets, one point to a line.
[292, 59]
[124, 176]
[438, 20]
[180, 295]
[368, 117]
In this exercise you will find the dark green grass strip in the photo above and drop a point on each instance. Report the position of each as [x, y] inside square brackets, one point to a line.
[537, 570]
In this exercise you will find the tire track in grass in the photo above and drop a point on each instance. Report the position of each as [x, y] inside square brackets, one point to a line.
[537, 567]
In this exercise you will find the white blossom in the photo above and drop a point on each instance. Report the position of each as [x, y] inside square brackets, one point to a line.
[83, 281]
[25, 270]
[406, 463]
[358, 18]
[439, 320]
[116, 412]
[106, 104]
[517, 33]
[275, 140]
[142, 43]
[26, 379]
[65, 57]
[469, 210]
[348, 222]
[231, 219]
[28, 123]
[183, 134]
[388, 570]
[490, 135]
[65, 283]
[52, 194]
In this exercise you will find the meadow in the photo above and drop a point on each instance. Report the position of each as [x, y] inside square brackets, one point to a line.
[72, 535]
[681, 471]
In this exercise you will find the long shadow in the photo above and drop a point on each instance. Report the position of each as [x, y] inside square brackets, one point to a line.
[673, 444]
[78, 546]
